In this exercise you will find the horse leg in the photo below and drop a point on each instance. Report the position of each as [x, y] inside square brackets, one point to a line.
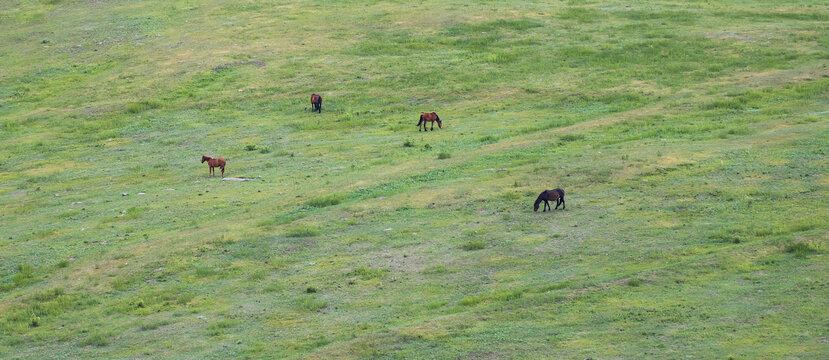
[223, 172]
[564, 206]
[433, 126]
[558, 202]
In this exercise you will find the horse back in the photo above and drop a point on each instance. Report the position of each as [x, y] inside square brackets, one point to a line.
[428, 116]
[315, 99]
[551, 194]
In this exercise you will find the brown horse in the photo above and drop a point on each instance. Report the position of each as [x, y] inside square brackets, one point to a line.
[220, 162]
[430, 117]
[316, 103]
[556, 194]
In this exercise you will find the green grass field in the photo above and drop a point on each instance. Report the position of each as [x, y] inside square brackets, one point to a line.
[691, 138]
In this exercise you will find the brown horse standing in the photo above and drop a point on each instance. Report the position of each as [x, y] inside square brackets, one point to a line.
[430, 117]
[316, 103]
[220, 162]
[556, 194]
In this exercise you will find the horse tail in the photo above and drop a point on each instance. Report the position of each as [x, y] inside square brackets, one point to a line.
[421, 120]
[319, 105]
[560, 192]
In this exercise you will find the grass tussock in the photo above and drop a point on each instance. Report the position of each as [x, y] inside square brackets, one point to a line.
[302, 231]
[472, 245]
[141, 106]
[366, 273]
[801, 249]
[327, 200]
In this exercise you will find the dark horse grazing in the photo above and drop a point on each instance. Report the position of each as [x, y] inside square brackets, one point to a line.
[430, 117]
[547, 195]
[316, 103]
[220, 162]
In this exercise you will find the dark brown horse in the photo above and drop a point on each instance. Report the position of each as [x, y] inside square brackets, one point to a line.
[220, 163]
[556, 194]
[316, 103]
[430, 117]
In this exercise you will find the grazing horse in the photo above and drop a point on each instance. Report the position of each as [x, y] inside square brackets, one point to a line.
[430, 117]
[547, 195]
[220, 162]
[316, 103]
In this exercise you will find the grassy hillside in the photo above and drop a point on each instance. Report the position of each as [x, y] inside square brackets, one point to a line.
[690, 136]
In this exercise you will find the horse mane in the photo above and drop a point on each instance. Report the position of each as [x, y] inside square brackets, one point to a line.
[539, 199]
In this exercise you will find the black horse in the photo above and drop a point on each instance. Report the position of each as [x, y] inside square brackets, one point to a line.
[556, 194]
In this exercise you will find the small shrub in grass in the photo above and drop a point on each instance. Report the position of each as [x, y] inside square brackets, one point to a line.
[800, 249]
[25, 275]
[507, 295]
[185, 298]
[471, 300]
[328, 200]
[97, 338]
[142, 106]
[558, 286]
[302, 231]
[487, 139]
[571, 137]
[408, 143]
[272, 287]
[152, 325]
[368, 273]
[121, 283]
[218, 328]
[435, 305]
[444, 155]
[264, 149]
[310, 290]
[634, 282]
[205, 270]
[436, 269]
[473, 245]
[34, 321]
[312, 304]
[733, 236]
[804, 225]
[427, 147]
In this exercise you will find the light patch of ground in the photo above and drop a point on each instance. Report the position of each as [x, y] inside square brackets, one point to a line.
[41, 168]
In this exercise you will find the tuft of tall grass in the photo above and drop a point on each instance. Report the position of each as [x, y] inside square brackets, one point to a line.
[302, 231]
[141, 106]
